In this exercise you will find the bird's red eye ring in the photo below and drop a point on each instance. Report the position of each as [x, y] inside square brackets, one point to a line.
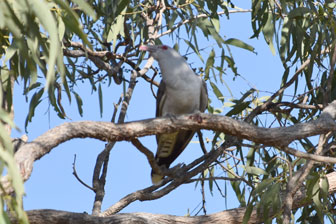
[164, 47]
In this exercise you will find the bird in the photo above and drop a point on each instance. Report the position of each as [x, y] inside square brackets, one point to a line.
[181, 91]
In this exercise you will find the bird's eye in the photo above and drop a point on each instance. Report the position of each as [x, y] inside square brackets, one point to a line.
[164, 47]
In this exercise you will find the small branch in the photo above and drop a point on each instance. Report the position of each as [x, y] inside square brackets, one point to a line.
[265, 105]
[313, 157]
[96, 58]
[203, 195]
[215, 178]
[76, 175]
[128, 96]
[331, 77]
[116, 106]
[98, 179]
[200, 137]
[198, 17]
[294, 105]
[296, 182]
[148, 154]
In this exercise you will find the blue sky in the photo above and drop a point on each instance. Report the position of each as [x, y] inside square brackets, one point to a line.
[52, 184]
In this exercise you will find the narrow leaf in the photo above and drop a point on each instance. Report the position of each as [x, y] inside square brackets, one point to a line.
[238, 43]
[79, 103]
[100, 96]
[255, 170]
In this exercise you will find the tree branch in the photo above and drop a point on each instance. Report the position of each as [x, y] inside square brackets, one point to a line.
[107, 131]
[103, 158]
[198, 17]
[231, 216]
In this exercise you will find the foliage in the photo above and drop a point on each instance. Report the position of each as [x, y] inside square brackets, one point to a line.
[53, 46]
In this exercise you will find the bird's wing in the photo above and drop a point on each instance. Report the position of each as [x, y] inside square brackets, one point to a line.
[203, 97]
[170, 145]
[160, 98]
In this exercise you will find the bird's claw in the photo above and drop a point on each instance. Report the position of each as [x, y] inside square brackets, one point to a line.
[172, 117]
[196, 117]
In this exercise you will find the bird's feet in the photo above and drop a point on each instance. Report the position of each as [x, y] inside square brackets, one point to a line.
[196, 117]
[172, 117]
[175, 171]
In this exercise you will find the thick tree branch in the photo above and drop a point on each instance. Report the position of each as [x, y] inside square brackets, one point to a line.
[106, 131]
[231, 216]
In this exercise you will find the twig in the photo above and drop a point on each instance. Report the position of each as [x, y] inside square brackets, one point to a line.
[265, 105]
[203, 195]
[314, 157]
[214, 178]
[234, 174]
[103, 158]
[96, 58]
[331, 77]
[116, 106]
[149, 155]
[295, 105]
[198, 17]
[296, 181]
[76, 175]
[200, 137]
[186, 173]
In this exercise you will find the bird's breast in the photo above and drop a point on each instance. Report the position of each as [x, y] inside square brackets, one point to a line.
[182, 101]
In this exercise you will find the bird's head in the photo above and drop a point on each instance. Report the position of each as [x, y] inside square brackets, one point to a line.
[160, 52]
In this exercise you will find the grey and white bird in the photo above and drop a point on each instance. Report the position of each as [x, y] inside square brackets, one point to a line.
[181, 91]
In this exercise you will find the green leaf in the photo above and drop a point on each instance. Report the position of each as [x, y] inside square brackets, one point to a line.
[250, 156]
[79, 103]
[100, 96]
[116, 28]
[268, 31]
[83, 5]
[324, 188]
[255, 170]
[71, 21]
[262, 186]
[122, 6]
[61, 28]
[238, 108]
[299, 12]
[211, 174]
[35, 100]
[238, 43]
[217, 92]
[248, 213]
[231, 64]
[209, 64]
[215, 21]
[44, 15]
[317, 201]
[194, 49]
[208, 29]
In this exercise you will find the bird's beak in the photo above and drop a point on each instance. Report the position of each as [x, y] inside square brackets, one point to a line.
[149, 48]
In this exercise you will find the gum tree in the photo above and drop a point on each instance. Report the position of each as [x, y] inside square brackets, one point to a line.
[276, 151]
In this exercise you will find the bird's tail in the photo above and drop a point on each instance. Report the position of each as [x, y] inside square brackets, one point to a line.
[156, 178]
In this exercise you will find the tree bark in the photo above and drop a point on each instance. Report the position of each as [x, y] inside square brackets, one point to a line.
[231, 216]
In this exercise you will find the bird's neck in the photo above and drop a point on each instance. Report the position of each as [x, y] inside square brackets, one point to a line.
[176, 73]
